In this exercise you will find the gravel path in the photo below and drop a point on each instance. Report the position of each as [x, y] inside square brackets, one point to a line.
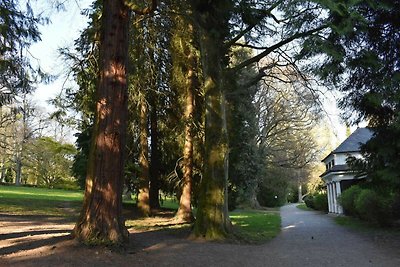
[308, 239]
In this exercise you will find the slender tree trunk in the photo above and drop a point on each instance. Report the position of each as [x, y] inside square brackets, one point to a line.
[3, 171]
[18, 170]
[185, 60]
[185, 210]
[155, 156]
[143, 198]
[101, 219]
[212, 220]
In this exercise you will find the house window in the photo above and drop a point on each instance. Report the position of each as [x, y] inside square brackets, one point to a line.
[333, 162]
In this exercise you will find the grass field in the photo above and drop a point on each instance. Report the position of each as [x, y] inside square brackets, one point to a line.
[251, 226]
[256, 226]
[39, 201]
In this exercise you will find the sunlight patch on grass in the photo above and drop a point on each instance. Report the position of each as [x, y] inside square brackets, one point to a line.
[256, 226]
[39, 201]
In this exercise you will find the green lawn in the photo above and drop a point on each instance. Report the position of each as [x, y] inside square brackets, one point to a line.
[303, 206]
[39, 201]
[251, 226]
[360, 225]
[256, 226]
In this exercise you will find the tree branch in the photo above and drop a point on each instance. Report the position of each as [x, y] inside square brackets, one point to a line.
[264, 14]
[274, 47]
[139, 11]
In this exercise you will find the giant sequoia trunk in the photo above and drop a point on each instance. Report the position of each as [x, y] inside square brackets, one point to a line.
[212, 220]
[101, 218]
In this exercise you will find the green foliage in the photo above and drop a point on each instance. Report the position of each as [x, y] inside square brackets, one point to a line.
[18, 30]
[317, 201]
[321, 202]
[347, 199]
[372, 207]
[79, 165]
[273, 192]
[8, 175]
[245, 159]
[309, 201]
[50, 162]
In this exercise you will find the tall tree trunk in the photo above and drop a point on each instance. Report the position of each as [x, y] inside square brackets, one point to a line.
[185, 61]
[155, 155]
[185, 210]
[212, 220]
[143, 197]
[101, 218]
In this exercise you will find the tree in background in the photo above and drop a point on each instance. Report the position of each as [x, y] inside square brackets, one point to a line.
[245, 161]
[49, 163]
[288, 112]
[18, 31]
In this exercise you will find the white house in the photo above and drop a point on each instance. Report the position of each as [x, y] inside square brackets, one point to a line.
[337, 175]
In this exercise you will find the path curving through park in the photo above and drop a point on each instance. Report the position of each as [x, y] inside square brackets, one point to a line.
[310, 238]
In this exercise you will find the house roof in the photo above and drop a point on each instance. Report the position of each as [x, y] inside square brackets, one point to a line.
[336, 168]
[353, 142]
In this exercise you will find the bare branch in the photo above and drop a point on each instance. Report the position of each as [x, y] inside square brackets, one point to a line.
[274, 47]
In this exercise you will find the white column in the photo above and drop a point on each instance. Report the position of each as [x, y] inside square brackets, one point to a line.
[338, 192]
[328, 192]
[334, 198]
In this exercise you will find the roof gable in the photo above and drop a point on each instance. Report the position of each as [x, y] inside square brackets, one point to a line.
[354, 141]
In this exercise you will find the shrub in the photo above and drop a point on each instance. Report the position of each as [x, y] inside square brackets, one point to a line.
[347, 199]
[309, 200]
[66, 184]
[372, 207]
[318, 201]
[321, 202]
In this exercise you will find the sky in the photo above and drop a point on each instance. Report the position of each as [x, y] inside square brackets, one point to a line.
[65, 27]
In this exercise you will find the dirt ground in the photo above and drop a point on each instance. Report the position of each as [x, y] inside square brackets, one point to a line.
[46, 241]
[308, 238]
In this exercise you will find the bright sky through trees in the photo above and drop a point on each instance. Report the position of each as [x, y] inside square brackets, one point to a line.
[64, 28]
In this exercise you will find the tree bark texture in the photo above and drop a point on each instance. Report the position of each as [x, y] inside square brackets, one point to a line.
[185, 210]
[101, 220]
[212, 220]
[143, 197]
[185, 68]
